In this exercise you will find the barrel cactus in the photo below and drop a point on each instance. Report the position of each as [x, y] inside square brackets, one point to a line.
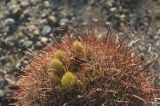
[85, 71]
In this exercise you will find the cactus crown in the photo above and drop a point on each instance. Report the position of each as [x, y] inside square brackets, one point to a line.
[95, 71]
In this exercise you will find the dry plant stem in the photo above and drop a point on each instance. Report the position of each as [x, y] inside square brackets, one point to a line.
[105, 72]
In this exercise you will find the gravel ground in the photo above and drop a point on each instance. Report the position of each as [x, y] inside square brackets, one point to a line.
[24, 23]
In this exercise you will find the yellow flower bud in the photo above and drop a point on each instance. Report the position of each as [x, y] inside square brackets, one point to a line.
[68, 81]
[78, 47]
[60, 56]
[57, 66]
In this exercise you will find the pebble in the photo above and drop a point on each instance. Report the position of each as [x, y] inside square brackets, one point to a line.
[31, 28]
[24, 3]
[27, 43]
[42, 21]
[122, 17]
[10, 79]
[9, 21]
[84, 23]
[94, 19]
[113, 9]
[6, 29]
[46, 30]
[109, 2]
[44, 39]
[158, 32]
[38, 45]
[21, 42]
[46, 3]
[44, 14]
[52, 20]
[64, 21]
[36, 32]
[64, 12]
[18, 64]
[108, 23]
[158, 43]
[17, 12]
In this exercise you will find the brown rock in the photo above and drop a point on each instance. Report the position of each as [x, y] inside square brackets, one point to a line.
[36, 32]
[122, 17]
[17, 12]
[158, 32]
[52, 20]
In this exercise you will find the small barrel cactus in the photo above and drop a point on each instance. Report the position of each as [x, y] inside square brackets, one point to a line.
[78, 47]
[90, 71]
[57, 66]
[68, 81]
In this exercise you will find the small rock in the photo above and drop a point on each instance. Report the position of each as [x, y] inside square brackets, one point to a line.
[42, 21]
[27, 43]
[122, 17]
[31, 28]
[158, 32]
[17, 12]
[120, 34]
[64, 21]
[24, 3]
[52, 20]
[5, 29]
[158, 43]
[9, 21]
[44, 39]
[46, 3]
[21, 42]
[65, 104]
[46, 30]
[44, 14]
[10, 79]
[94, 19]
[36, 32]
[84, 23]
[107, 23]
[64, 12]
[113, 9]
[18, 65]
[109, 2]
[38, 45]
